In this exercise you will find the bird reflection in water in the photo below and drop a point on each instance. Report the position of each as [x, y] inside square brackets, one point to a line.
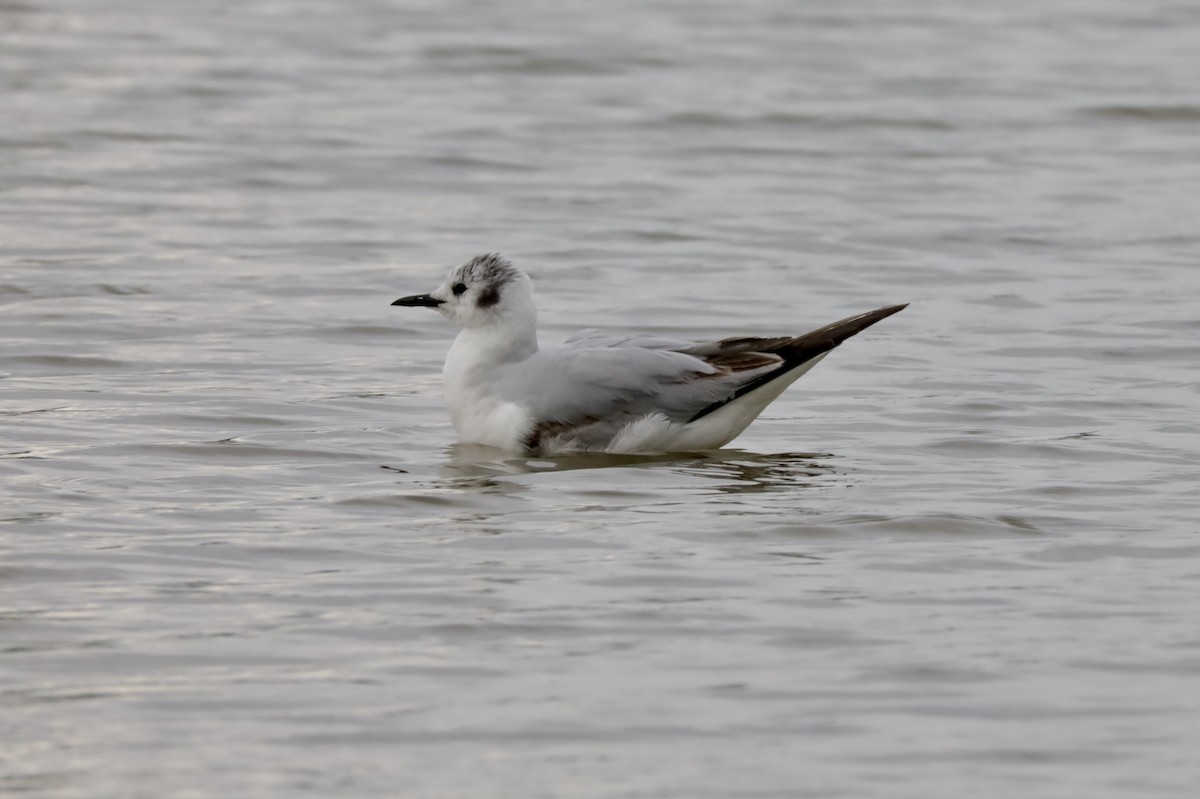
[476, 467]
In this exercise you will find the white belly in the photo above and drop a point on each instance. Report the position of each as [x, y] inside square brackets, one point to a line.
[480, 419]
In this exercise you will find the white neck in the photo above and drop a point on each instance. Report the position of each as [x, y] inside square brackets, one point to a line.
[493, 344]
[478, 350]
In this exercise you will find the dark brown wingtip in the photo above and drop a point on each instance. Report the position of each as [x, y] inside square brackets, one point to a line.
[802, 349]
[828, 337]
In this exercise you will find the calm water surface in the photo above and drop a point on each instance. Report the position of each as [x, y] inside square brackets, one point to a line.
[242, 555]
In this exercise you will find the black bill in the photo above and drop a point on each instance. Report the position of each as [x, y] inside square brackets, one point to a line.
[419, 301]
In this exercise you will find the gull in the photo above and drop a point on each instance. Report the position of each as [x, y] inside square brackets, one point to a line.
[601, 392]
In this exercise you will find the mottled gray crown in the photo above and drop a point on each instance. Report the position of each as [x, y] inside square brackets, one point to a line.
[490, 269]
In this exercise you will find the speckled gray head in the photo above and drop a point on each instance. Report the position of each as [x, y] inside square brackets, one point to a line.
[485, 290]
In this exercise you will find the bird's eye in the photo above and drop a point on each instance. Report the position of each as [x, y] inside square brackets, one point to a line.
[459, 288]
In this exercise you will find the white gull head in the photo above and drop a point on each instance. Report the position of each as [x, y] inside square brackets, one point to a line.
[486, 291]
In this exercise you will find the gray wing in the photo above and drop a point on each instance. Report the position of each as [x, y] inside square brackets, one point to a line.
[592, 338]
[599, 381]
[592, 392]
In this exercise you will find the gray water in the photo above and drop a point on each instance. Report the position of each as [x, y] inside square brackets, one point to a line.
[241, 554]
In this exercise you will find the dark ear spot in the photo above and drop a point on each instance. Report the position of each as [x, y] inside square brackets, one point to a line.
[488, 297]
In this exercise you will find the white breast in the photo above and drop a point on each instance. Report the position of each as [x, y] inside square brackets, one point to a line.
[482, 420]
[479, 415]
